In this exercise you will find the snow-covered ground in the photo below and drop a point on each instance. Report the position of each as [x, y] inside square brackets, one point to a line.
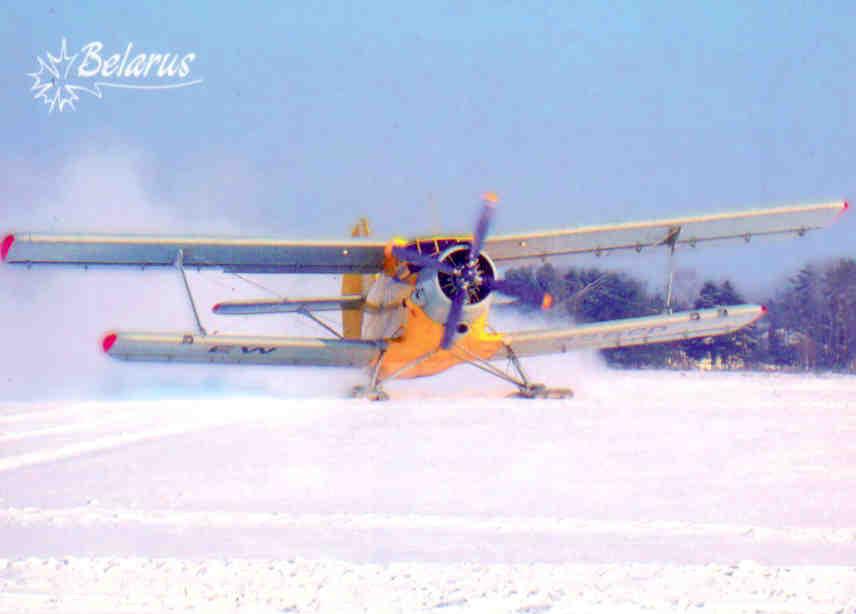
[650, 491]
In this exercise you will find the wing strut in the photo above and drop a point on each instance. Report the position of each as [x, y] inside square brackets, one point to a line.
[179, 264]
[525, 388]
[515, 361]
[305, 312]
[374, 391]
[470, 358]
[671, 242]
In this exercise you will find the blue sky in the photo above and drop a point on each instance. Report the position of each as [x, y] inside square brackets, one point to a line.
[310, 115]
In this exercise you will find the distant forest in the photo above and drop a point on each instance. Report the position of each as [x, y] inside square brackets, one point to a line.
[811, 322]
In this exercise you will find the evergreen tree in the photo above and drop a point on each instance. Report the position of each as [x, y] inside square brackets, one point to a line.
[741, 345]
[779, 350]
[800, 313]
[811, 322]
[839, 283]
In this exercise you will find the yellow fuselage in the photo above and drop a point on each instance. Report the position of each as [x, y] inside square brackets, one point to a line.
[422, 335]
[413, 337]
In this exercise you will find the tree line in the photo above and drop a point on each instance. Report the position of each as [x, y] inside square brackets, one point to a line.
[811, 322]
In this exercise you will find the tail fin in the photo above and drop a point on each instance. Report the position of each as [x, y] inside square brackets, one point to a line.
[353, 283]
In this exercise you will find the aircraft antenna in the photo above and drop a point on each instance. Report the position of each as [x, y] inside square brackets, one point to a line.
[258, 285]
[435, 214]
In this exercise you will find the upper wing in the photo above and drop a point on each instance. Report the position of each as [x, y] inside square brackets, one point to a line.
[681, 231]
[233, 255]
[177, 347]
[632, 331]
[364, 256]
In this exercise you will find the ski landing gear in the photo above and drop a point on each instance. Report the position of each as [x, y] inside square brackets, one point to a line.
[370, 394]
[540, 391]
[374, 392]
[525, 388]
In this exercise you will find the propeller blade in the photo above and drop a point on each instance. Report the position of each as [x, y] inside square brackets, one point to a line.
[523, 291]
[422, 260]
[489, 201]
[454, 318]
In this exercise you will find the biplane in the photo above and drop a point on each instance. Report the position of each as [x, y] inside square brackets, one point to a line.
[413, 308]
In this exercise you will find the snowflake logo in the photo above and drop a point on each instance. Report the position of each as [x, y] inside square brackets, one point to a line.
[51, 83]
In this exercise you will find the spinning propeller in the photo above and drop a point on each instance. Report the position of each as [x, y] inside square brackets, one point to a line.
[465, 276]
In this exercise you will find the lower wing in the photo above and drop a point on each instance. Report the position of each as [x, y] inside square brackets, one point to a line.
[632, 331]
[177, 347]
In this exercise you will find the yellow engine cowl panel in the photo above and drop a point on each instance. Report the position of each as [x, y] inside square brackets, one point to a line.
[422, 335]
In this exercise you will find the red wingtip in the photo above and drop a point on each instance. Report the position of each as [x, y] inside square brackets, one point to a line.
[846, 205]
[216, 308]
[108, 341]
[6, 246]
[764, 309]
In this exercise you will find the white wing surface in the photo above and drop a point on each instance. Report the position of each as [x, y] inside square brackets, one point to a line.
[795, 220]
[187, 347]
[365, 256]
[633, 331]
[230, 254]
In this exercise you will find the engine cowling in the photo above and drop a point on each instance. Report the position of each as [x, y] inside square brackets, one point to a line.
[435, 289]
